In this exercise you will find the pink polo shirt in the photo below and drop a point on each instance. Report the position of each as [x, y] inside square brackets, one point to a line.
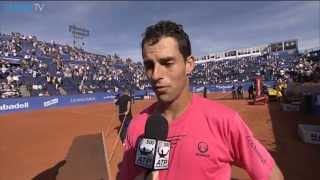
[205, 140]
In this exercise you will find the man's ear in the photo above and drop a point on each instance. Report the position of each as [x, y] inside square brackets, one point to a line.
[190, 63]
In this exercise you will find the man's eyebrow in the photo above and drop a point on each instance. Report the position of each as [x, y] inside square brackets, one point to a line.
[147, 61]
[165, 59]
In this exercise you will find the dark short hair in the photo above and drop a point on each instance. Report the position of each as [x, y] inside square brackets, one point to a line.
[162, 29]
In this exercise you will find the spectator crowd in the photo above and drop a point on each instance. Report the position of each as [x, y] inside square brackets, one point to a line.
[30, 67]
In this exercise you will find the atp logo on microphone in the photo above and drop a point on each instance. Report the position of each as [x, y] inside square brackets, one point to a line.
[163, 151]
[153, 154]
[162, 155]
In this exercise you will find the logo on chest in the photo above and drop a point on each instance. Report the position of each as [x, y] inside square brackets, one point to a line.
[202, 149]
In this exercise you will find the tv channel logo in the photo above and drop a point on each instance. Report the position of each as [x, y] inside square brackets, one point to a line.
[22, 7]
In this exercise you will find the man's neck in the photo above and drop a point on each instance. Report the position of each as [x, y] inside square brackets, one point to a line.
[174, 109]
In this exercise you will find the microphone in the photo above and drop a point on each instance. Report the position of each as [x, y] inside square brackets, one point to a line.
[153, 150]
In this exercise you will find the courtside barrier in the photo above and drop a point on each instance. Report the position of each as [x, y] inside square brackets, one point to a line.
[228, 87]
[33, 103]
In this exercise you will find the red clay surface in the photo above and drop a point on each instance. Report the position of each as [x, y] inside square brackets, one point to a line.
[37, 142]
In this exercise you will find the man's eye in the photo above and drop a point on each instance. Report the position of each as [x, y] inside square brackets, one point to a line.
[148, 65]
[168, 64]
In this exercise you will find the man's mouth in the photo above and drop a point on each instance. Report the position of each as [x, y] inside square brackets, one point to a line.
[160, 89]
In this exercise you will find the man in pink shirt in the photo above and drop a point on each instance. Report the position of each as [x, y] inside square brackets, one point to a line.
[206, 137]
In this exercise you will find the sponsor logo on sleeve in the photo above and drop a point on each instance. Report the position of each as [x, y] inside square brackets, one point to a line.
[252, 145]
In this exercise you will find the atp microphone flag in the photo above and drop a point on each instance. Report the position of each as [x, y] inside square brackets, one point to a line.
[153, 150]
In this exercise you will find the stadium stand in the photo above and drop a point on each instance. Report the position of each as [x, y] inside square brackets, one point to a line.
[30, 67]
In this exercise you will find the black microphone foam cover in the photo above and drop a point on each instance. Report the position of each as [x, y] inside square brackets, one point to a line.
[156, 127]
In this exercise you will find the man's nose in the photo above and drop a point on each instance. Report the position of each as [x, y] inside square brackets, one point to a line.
[157, 73]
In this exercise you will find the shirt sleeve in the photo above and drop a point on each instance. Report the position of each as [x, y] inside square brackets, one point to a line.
[247, 152]
[130, 98]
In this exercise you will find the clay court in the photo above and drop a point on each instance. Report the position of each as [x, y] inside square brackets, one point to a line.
[58, 143]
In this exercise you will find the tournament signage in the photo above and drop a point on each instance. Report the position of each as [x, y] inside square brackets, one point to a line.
[33, 103]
